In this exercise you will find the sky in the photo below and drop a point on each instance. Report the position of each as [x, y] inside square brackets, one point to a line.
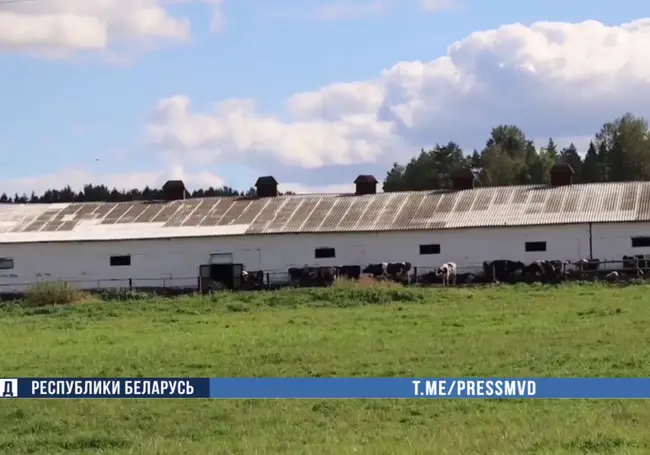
[130, 93]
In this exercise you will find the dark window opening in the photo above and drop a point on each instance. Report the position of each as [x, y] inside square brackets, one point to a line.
[6, 263]
[433, 248]
[120, 261]
[323, 253]
[640, 242]
[535, 246]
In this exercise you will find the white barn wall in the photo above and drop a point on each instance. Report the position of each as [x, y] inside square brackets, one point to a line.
[180, 257]
[612, 241]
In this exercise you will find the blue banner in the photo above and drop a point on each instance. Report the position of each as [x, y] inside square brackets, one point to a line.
[429, 388]
[326, 388]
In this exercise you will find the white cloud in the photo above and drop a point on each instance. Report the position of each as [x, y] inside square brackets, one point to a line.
[234, 128]
[551, 78]
[58, 28]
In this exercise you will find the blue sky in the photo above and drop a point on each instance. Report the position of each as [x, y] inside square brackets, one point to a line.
[85, 100]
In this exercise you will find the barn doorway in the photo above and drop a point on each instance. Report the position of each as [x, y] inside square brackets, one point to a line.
[220, 276]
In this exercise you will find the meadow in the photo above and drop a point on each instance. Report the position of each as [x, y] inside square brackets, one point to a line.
[573, 330]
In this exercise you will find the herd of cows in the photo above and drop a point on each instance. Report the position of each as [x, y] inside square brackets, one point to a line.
[501, 271]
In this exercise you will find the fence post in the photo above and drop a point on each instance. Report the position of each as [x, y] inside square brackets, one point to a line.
[130, 284]
[198, 283]
[268, 280]
[415, 275]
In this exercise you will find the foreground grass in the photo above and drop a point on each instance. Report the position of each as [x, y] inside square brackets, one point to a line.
[518, 331]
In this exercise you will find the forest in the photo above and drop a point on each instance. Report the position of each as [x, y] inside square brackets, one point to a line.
[619, 151]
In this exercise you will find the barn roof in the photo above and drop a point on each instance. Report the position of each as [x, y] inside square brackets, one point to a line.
[414, 210]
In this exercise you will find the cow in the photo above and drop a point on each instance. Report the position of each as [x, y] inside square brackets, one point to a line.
[587, 266]
[253, 280]
[448, 272]
[326, 275]
[312, 276]
[352, 272]
[580, 268]
[545, 270]
[631, 266]
[399, 271]
[466, 278]
[376, 270]
[395, 270]
[295, 274]
[630, 262]
[535, 270]
[503, 270]
[558, 268]
[593, 264]
[643, 262]
[429, 278]
[303, 276]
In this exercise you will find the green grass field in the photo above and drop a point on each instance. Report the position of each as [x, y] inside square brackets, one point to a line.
[587, 330]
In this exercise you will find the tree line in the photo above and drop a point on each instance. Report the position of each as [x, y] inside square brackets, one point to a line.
[102, 193]
[620, 151]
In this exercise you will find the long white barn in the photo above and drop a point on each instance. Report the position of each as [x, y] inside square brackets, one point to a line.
[165, 242]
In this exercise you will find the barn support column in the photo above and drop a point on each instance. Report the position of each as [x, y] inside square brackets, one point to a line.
[591, 243]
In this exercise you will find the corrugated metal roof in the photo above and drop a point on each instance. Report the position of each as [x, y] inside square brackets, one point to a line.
[481, 207]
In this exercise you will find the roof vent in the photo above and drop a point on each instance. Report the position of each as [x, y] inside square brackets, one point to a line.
[366, 184]
[562, 174]
[174, 190]
[462, 179]
[266, 186]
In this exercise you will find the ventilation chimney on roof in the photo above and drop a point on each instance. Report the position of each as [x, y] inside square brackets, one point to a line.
[562, 174]
[174, 190]
[266, 186]
[462, 179]
[366, 184]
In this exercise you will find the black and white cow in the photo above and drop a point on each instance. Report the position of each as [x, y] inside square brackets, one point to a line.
[299, 274]
[253, 279]
[429, 277]
[632, 266]
[376, 270]
[586, 267]
[448, 272]
[399, 271]
[326, 275]
[303, 276]
[546, 271]
[352, 272]
[312, 276]
[503, 270]
[394, 270]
